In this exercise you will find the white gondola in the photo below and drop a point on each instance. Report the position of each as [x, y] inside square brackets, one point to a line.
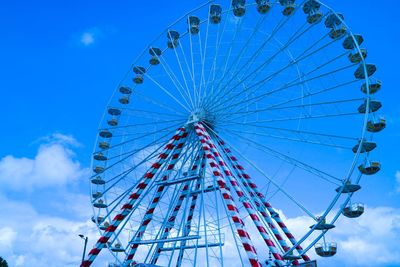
[98, 180]
[97, 195]
[215, 14]
[139, 71]
[105, 134]
[99, 219]
[374, 86]
[374, 105]
[348, 188]
[239, 7]
[360, 71]
[118, 248]
[104, 226]
[370, 168]
[112, 122]
[338, 32]
[173, 38]
[114, 111]
[311, 8]
[124, 100]
[100, 204]
[288, 7]
[155, 55]
[375, 127]
[98, 169]
[334, 22]
[349, 42]
[104, 145]
[125, 90]
[322, 225]
[263, 6]
[353, 211]
[194, 24]
[100, 157]
[357, 57]
[366, 146]
[326, 249]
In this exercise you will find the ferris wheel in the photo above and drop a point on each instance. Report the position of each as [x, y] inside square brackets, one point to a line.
[237, 116]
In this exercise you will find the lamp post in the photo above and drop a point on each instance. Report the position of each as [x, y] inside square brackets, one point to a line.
[84, 248]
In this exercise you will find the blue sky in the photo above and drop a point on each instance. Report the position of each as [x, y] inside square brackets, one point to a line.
[60, 62]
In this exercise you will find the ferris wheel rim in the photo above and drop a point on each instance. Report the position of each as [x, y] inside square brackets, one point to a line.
[363, 130]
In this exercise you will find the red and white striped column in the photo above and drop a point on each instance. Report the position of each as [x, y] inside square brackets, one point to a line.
[156, 199]
[246, 204]
[259, 197]
[230, 204]
[127, 207]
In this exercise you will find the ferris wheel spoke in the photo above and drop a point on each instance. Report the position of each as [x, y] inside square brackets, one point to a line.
[299, 118]
[178, 60]
[292, 139]
[299, 132]
[270, 77]
[253, 57]
[203, 52]
[133, 153]
[290, 41]
[212, 73]
[234, 64]
[191, 75]
[167, 92]
[141, 135]
[142, 112]
[175, 81]
[225, 60]
[302, 106]
[155, 102]
[295, 162]
[310, 94]
[195, 89]
[145, 124]
[290, 84]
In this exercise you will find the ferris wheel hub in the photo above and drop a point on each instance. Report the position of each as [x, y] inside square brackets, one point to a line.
[201, 115]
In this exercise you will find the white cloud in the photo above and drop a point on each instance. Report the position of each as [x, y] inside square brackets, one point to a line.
[397, 175]
[45, 233]
[43, 240]
[7, 236]
[87, 38]
[53, 165]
